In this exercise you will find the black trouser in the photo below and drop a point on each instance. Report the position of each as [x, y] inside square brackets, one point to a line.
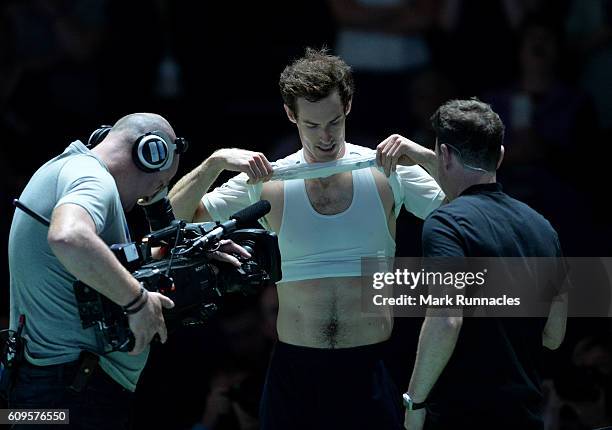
[311, 388]
[102, 403]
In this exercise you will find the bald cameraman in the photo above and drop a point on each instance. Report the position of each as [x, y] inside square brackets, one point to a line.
[85, 194]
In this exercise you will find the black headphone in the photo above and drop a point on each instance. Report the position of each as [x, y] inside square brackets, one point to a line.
[151, 152]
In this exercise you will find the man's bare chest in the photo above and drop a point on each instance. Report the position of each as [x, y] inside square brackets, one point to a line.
[330, 196]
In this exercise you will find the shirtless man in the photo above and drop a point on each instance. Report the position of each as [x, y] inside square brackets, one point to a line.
[326, 370]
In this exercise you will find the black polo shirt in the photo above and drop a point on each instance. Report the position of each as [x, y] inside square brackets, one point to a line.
[492, 379]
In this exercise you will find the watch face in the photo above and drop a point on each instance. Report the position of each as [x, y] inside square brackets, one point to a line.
[409, 404]
[407, 401]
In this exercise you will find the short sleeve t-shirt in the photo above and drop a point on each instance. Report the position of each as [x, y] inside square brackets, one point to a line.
[41, 288]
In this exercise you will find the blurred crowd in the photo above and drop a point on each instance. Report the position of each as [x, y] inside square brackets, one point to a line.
[212, 69]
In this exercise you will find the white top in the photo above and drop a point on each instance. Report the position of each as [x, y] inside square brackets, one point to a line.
[314, 245]
[412, 187]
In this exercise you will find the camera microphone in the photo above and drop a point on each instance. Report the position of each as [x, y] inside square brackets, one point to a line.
[245, 216]
[251, 213]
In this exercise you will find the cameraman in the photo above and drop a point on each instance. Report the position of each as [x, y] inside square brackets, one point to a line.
[85, 193]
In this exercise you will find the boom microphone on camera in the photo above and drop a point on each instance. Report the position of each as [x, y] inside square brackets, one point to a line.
[239, 219]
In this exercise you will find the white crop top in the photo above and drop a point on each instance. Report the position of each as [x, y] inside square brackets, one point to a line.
[313, 245]
[318, 246]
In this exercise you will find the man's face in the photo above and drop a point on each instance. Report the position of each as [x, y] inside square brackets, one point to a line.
[321, 127]
[160, 180]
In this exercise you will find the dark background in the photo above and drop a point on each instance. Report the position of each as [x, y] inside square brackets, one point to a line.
[212, 68]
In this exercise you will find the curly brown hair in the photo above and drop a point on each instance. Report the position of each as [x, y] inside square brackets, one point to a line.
[315, 76]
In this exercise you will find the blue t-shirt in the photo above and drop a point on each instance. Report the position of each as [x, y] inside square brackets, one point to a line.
[41, 288]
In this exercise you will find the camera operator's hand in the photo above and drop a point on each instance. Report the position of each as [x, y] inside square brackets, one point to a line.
[254, 164]
[225, 251]
[149, 321]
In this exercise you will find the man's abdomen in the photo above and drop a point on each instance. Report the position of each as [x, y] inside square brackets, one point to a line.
[326, 313]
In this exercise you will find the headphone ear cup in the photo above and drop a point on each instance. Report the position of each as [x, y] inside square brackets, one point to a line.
[150, 153]
[136, 157]
[98, 135]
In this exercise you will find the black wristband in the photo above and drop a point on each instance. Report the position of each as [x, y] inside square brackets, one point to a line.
[133, 302]
[140, 306]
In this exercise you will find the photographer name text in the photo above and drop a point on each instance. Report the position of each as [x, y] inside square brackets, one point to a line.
[455, 280]
[445, 301]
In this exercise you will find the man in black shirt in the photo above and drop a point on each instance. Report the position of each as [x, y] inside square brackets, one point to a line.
[478, 373]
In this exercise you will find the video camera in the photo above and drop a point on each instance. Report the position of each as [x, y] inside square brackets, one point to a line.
[186, 273]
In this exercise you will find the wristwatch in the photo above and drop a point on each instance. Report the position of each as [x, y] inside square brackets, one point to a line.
[411, 405]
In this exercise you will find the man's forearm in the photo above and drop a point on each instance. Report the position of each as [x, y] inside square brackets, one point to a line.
[554, 330]
[185, 196]
[426, 158]
[436, 344]
[412, 152]
[73, 240]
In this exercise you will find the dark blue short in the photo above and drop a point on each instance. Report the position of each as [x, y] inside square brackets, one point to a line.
[311, 388]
